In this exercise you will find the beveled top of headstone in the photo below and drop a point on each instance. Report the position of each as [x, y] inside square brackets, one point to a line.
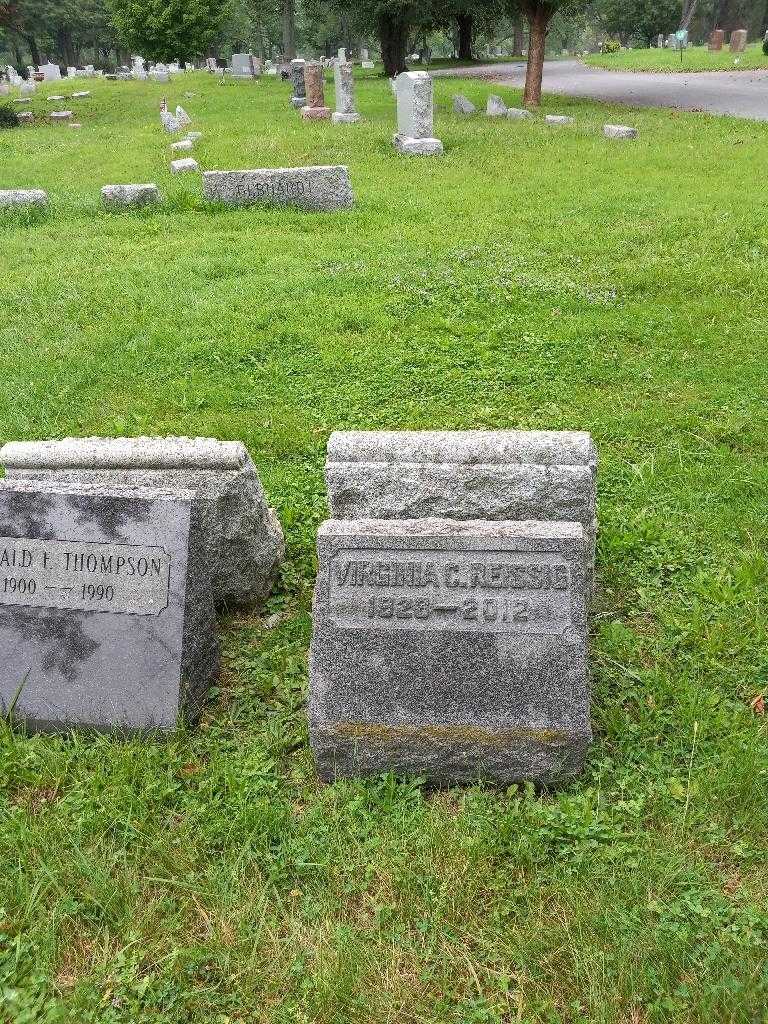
[536, 532]
[487, 447]
[125, 453]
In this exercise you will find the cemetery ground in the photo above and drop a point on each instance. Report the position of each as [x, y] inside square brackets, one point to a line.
[695, 58]
[532, 278]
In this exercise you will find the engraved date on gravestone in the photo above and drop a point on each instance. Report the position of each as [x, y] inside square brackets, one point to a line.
[478, 590]
[121, 578]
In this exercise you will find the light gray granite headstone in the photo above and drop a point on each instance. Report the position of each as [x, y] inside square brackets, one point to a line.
[184, 166]
[169, 122]
[182, 146]
[465, 474]
[23, 196]
[106, 610]
[60, 115]
[246, 543]
[455, 651]
[26, 117]
[118, 196]
[496, 107]
[517, 113]
[415, 128]
[558, 120]
[461, 105]
[344, 86]
[619, 131]
[309, 188]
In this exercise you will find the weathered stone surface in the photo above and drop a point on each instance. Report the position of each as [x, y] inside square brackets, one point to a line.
[454, 651]
[81, 95]
[738, 40]
[417, 147]
[496, 107]
[23, 196]
[22, 99]
[716, 39]
[517, 113]
[26, 117]
[619, 131]
[182, 118]
[314, 85]
[337, 118]
[558, 119]
[344, 87]
[194, 136]
[118, 196]
[55, 99]
[169, 122]
[183, 146]
[461, 105]
[246, 543]
[465, 474]
[106, 610]
[309, 188]
[183, 166]
[75, 124]
[316, 113]
[60, 115]
[297, 81]
[414, 105]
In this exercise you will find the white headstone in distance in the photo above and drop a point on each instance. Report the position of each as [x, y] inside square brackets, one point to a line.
[50, 72]
[415, 131]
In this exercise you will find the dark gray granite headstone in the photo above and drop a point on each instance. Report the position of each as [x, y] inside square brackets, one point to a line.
[106, 607]
[453, 650]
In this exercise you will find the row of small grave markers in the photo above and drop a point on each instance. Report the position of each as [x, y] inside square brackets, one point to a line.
[310, 188]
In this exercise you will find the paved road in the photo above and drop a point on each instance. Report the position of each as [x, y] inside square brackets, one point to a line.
[741, 93]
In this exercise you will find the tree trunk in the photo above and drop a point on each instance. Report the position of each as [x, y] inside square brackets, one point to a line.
[538, 15]
[393, 39]
[519, 37]
[289, 29]
[35, 53]
[464, 23]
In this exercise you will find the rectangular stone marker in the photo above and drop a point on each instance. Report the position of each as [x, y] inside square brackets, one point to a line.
[119, 196]
[547, 475]
[314, 85]
[309, 188]
[716, 39]
[619, 131]
[344, 85]
[415, 129]
[738, 40]
[106, 610]
[23, 196]
[299, 97]
[456, 651]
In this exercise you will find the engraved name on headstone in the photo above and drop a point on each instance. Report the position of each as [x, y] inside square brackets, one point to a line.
[106, 605]
[309, 188]
[126, 578]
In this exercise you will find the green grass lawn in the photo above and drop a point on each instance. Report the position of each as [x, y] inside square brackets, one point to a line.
[695, 58]
[530, 278]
